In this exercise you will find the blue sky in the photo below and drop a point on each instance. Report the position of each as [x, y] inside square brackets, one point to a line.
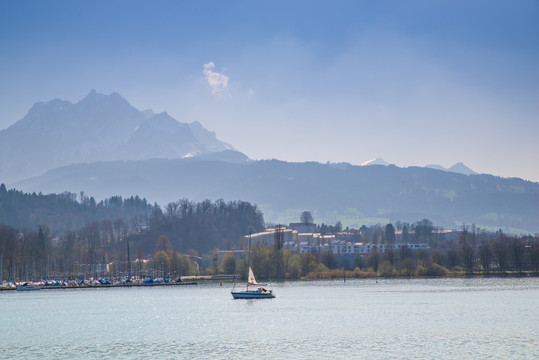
[414, 82]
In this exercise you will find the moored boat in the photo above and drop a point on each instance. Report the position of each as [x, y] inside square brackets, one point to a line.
[27, 287]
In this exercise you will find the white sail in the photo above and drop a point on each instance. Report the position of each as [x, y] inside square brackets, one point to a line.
[251, 280]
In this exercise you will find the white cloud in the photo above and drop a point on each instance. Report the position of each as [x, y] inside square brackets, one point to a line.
[218, 82]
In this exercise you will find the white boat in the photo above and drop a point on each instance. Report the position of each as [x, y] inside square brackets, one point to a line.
[260, 292]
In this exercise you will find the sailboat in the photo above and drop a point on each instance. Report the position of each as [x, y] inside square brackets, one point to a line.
[260, 292]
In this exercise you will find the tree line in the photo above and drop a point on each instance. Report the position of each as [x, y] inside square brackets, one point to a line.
[62, 212]
[130, 236]
[471, 251]
[148, 244]
[471, 254]
[200, 227]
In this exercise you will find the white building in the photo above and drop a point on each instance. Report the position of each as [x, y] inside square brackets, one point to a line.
[348, 248]
[317, 243]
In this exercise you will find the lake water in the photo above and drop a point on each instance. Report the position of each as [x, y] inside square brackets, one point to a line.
[359, 319]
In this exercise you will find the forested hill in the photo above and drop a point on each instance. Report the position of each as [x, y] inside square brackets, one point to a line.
[354, 195]
[202, 226]
[62, 212]
[182, 225]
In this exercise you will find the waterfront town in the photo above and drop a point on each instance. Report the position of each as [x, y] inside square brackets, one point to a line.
[301, 238]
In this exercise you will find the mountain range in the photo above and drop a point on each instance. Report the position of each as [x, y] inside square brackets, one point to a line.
[104, 147]
[97, 128]
[458, 168]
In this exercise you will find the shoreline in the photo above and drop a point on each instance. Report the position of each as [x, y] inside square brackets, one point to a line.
[333, 275]
[43, 287]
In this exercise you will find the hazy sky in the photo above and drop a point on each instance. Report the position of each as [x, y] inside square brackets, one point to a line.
[414, 82]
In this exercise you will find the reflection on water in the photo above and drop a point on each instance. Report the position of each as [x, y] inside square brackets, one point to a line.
[376, 319]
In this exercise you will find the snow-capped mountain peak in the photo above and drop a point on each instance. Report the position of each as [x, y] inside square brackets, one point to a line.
[377, 161]
[461, 169]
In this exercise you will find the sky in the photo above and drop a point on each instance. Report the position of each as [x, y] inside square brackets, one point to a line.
[414, 82]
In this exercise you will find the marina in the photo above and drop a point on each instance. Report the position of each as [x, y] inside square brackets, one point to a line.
[88, 285]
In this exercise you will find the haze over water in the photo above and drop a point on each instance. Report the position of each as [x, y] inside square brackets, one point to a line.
[370, 319]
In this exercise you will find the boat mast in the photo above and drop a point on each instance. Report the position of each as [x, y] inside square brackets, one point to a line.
[249, 261]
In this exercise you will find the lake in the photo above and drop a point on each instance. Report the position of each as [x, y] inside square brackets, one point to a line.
[362, 319]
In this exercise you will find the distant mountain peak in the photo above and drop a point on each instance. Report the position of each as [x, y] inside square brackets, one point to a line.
[458, 168]
[377, 161]
[461, 169]
[95, 97]
[97, 128]
[94, 93]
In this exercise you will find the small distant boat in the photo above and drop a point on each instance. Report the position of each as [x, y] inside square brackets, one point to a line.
[260, 292]
[27, 287]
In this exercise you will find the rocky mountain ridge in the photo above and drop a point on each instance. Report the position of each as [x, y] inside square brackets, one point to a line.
[97, 128]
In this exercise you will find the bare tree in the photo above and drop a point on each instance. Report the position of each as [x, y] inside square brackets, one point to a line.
[172, 211]
[534, 254]
[278, 243]
[390, 234]
[374, 260]
[306, 218]
[485, 256]
[518, 252]
[119, 224]
[500, 252]
[467, 248]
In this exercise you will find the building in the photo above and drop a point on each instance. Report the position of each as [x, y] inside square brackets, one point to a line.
[312, 242]
[348, 248]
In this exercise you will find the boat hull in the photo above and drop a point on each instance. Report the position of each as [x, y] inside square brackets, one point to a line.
[252, 295]
[28, 288]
